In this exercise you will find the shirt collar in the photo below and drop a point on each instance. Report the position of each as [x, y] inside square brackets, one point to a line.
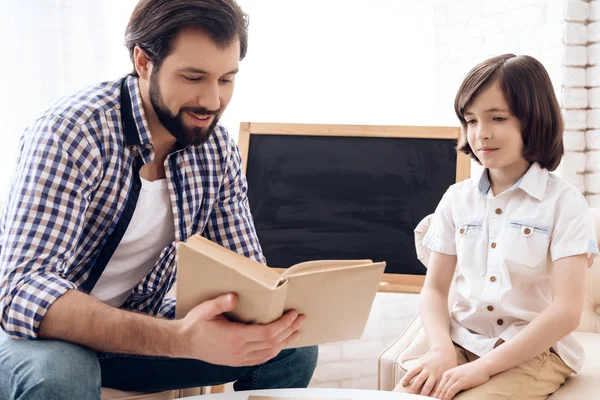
[533, 182]
[142, 136]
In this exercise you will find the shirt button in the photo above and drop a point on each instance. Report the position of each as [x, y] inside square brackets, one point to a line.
[500, 322]
[492, 279]
[493, 245]
[498, 211]
[490, 308]
[527, 231]
[462, 231]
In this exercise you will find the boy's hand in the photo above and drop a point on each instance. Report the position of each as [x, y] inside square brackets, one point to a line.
[463, 377]
[428, 373]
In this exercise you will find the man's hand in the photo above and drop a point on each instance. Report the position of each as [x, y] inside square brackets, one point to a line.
[463, 377]
[205, 334]
[428, 373]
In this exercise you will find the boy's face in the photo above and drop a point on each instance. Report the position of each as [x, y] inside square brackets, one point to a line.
[194, 85]
[493, 132]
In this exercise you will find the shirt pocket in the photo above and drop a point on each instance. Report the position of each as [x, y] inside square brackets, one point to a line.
[468, 238]
[527, 246]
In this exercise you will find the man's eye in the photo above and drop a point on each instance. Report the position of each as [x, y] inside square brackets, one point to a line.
[499, 119]
[191, 79]
[471, 121]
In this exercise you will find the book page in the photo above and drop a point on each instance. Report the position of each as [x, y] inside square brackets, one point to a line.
[319, 265]
[336, 301]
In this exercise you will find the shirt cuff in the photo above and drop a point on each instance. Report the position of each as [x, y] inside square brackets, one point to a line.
[562, 250]
[167, 308]
[439, 245]
[31, 302]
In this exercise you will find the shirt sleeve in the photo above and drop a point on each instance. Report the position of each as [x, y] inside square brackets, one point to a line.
[230, 223]
[41, 222]
[573, 232]
[440, 235]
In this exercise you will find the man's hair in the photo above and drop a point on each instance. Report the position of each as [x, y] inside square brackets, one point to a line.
[155, 23]
[530, 95]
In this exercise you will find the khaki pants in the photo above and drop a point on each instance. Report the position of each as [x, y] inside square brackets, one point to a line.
[535, 379]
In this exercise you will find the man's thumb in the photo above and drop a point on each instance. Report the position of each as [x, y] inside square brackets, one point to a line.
[220, 305]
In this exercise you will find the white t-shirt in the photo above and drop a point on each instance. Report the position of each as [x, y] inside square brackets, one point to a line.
[505, 246]
[150, 230]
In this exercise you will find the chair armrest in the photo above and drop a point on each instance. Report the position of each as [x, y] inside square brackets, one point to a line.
[193, 392]
[396, 358]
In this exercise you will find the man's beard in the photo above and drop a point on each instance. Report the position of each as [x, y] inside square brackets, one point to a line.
[184, 135]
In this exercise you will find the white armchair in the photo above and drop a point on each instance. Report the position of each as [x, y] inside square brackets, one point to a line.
[412, 343]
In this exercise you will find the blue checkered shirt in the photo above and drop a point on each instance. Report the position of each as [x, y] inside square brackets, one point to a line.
[71, 183]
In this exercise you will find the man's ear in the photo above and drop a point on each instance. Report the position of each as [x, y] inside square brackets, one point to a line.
[143, 65]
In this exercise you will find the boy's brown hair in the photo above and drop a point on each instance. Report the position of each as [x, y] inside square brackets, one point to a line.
[530, 96]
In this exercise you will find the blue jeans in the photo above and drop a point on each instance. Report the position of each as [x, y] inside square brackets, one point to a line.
[52, 369]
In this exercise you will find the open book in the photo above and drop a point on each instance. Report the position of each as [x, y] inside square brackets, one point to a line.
[336, 296]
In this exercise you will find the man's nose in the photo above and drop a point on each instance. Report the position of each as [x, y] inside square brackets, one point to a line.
[209, 98]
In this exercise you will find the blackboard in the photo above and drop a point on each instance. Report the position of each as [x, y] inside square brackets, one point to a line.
[337, 194]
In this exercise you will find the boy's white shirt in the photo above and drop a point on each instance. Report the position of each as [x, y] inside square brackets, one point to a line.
[505, 246]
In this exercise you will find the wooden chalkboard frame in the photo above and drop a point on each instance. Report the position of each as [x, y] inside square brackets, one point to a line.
[395, 283]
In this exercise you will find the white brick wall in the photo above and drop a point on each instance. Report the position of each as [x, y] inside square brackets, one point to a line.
[592, 110]
[575, 95]
[574, 161]
[576, 56]
[575, 119]
[594, 11]
[593, 50]
[574, 141]
[582, 48]
[577, 10]
[576, 33]
[353, 364]
[593, 75]
[593, 32]
[575, 77]
[593, 118]
[594, 97]
[592, 134]
[592, 139]
[575, 98]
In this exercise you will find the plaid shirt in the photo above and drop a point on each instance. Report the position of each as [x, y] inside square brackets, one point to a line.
[72, 179]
